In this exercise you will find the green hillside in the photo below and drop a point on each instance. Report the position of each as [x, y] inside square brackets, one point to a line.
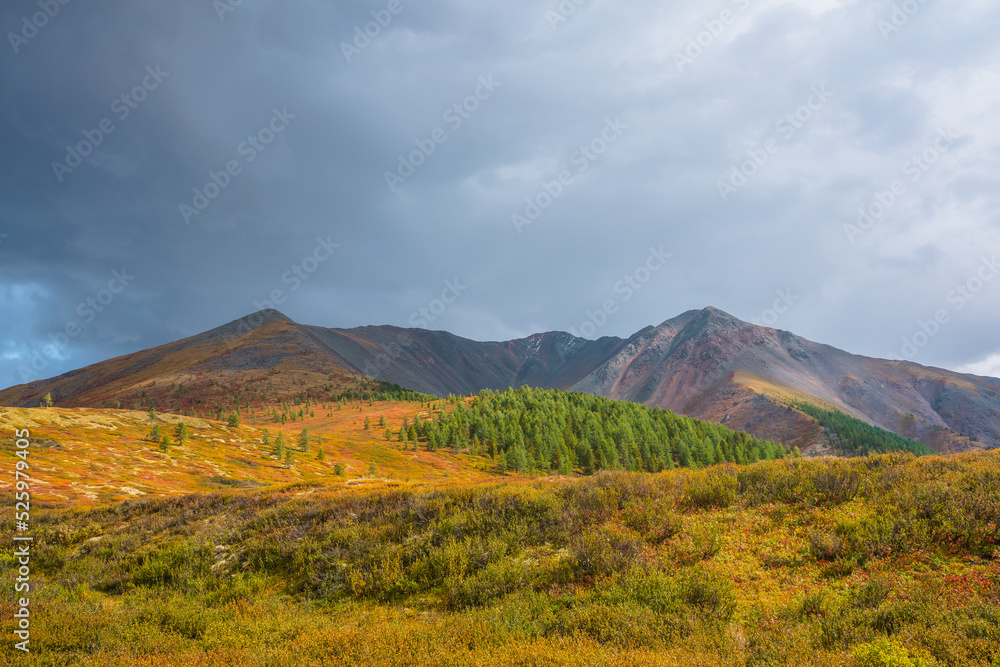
[548, 430]
[853, 436]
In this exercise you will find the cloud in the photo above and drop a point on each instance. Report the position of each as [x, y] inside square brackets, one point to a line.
[988, 367]
[689, 126]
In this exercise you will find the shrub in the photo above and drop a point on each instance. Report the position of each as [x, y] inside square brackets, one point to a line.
[697, 544]
[654, 521]
[842, 630]
[824, 546]
[187, 620]
[177, 564]
[493, 582]
[768, 482]
[872, 594]
[841, 567]
[619, 625]
[534, 515]
[775, 560]
[882, 533]
[450, 560]
[605, 550]
[886, 653]
[710, 595]
[380, 576]
[709, 489]
[892, 618]
[835, 483]
[814, 604]
[653, 590]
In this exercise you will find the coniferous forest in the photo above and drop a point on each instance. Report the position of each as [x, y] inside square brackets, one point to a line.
[858, 438]
[555, 431]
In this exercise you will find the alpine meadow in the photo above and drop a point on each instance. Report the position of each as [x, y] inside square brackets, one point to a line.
[535, 334]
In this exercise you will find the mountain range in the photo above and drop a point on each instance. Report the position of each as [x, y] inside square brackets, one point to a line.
[702, 363]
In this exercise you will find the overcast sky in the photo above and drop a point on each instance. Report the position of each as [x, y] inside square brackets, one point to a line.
[645, 156]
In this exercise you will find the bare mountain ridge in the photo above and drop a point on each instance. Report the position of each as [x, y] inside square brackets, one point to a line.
[704, 363]
[437, 362]
[711, 365]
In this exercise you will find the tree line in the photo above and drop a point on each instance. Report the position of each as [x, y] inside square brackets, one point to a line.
[854, 436]
[548, 430]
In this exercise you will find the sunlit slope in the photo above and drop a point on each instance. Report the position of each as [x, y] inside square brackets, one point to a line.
[85, 455]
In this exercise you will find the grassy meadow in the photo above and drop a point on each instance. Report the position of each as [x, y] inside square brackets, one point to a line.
[885, 560]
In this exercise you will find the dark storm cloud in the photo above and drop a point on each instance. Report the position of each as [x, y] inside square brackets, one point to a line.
[228, 76]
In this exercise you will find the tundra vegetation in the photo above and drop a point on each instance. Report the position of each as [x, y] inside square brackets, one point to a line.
[279, 558]
[879, 560]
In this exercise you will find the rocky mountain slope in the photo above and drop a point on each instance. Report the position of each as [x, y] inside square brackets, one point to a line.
[710, 365]
[703, 363]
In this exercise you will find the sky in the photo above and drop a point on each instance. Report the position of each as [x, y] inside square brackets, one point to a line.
[827, 167]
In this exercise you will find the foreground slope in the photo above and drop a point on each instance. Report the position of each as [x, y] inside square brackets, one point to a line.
[869, 562]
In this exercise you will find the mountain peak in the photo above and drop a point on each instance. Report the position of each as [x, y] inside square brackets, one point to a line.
[271, 315]
[261, 317]
[706, 316]
[717, 311]
[250, 322]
